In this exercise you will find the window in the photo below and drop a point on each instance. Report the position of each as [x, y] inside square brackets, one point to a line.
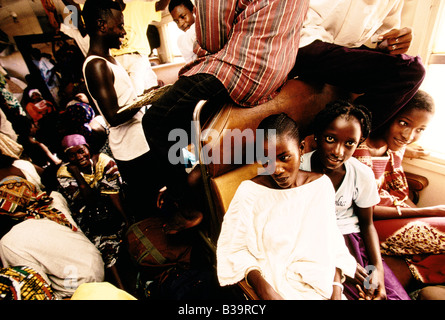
[433, 138]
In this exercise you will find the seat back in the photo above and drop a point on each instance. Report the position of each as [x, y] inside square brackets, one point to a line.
[223, 187]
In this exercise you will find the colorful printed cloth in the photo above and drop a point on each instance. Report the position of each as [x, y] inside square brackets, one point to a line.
[420, 241]
[105, 178]
[20, 200]
[23, 283]
[76, 118]
[390, 177]
[10, 99]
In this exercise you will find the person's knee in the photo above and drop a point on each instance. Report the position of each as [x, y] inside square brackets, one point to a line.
[432, 293]
[415, 70]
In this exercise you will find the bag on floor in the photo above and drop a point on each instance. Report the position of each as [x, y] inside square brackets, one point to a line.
[150, 246]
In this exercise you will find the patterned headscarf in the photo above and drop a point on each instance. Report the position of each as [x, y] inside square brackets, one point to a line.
[20, 200]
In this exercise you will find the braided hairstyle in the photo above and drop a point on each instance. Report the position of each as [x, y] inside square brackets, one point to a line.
[345, 109]
[283, 126]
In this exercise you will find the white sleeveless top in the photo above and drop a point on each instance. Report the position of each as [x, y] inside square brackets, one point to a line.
[127, 140]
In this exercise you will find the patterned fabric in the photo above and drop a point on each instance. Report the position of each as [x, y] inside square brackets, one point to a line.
[420, 241]
[20, 200]
[10, 99]
[23, 283]
[250, 46]
[390, 177]
[105, 178]
[417, 237]
[77, 117]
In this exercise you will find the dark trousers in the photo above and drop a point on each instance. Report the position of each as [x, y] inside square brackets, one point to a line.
[142, 182]
[387, 81]
[174, 110]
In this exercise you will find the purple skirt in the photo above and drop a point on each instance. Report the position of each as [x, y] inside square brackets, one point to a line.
[394, 289]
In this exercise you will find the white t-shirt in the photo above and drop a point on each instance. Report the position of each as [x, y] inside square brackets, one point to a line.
[349, 23]
[186, 42]
[358, 186]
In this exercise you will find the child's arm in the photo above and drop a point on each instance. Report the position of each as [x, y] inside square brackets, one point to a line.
[383, 212]
[337, 287]
[262, 288]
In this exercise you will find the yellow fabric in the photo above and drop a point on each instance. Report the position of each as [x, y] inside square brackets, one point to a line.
[137, 16]
[100, 291]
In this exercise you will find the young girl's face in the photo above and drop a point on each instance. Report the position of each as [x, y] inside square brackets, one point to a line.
[338, 141]
[406, 128]
[287, 162]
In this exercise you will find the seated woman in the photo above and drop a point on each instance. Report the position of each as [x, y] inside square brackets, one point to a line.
[418, 234]
[92, 185]
[41, 233]
[338, 130]
[280, 231]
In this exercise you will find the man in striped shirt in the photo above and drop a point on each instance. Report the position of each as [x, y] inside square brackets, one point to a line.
[245, 50]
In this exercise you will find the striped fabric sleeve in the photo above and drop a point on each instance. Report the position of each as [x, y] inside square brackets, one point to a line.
[250, 46]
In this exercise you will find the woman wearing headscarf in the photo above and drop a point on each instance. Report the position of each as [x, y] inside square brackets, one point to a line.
[92, 185]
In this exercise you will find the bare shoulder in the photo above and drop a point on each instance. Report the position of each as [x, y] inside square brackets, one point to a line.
[307, 176]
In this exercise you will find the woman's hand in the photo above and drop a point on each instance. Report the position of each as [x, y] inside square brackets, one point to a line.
[397, 41]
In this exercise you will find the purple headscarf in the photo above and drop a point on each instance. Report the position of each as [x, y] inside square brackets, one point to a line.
[73, 140]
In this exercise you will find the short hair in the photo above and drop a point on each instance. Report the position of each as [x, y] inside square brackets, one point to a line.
[421, 101]
[97, 9]
[174, 3]
[342, 108]
[284, 126]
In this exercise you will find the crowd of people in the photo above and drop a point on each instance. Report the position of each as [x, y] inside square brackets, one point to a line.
[73, 179]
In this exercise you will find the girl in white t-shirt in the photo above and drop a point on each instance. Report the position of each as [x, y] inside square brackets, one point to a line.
[338, 130]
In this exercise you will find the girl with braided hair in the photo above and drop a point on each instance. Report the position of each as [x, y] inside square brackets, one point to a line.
[338, 130]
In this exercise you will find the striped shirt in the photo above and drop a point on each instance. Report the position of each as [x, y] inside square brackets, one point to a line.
[250, 46]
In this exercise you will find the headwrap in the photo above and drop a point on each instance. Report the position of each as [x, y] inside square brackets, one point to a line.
[78, 115]
[73, 140]
[20, 200]
[33, 91]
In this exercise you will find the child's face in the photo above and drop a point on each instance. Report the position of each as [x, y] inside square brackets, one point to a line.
[183, 17]
[287, 162]
[406, 128]
[338, 141]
